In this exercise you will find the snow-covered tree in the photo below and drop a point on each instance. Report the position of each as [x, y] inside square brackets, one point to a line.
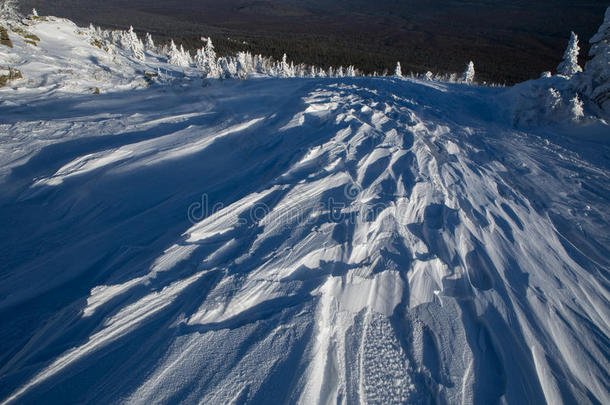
[553, 99]
[131, 42]
[284, 69]
[186, 55]
[177, 56]
[429, 76]
[211, 68]
[598, 68]
[9, 10]
[200, 59]
[260, 64]
[293, 71]
[244, 65]
[228, 67]
[576, 109]
[173, 54]
[149, 43]
[351, 71]
[398, 70]
[34, 13]
[468, 76]
[569, 66]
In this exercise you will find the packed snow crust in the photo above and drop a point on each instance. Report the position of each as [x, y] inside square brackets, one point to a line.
[354, 240]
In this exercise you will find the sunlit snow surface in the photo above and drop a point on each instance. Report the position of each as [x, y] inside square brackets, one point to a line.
[363, 240]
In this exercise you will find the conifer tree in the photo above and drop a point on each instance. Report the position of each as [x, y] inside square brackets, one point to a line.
[186, 56]
[131, 42]
[576, 109]
[284, 68]
[468, 76]
[9, 11]
[149, 44]
[398, 70]
[312, 71]
[175, 56]
[598, 68]
[200, 61]
[211, 69]
[569, 66]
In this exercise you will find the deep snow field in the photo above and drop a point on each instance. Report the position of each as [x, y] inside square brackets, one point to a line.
[346, 240]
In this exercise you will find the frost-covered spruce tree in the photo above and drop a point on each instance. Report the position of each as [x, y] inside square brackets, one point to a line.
[173, 54]
[569, 66]
[205, 57]
[177, 56]
[576, 110]
[228, 67]
[200, 61]
[598, 67]
[300, 70]
[293, 70]
[244, 65]
[398, 70]
[186, 56]
[468, 76]
[259, 63]
[9, 11]
[130, 42]
[351, 71]
[149, 43]
[211, 69]
[283, 69]
[553, 100]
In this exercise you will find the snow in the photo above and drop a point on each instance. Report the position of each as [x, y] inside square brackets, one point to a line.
[344, 240]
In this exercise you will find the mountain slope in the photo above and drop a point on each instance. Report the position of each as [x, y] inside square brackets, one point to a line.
[371, 240]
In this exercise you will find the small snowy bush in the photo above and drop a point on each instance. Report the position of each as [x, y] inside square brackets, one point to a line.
[545, 101]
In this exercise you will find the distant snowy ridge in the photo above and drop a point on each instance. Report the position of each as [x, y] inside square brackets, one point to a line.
[148, 63]
[129, 61]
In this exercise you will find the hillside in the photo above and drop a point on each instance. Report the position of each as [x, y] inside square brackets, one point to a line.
[170, 238]
[511, 41]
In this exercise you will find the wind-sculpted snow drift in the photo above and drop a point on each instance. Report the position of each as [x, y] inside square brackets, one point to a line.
[361, 240]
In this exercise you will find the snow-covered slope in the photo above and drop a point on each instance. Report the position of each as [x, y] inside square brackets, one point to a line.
[361, 240]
